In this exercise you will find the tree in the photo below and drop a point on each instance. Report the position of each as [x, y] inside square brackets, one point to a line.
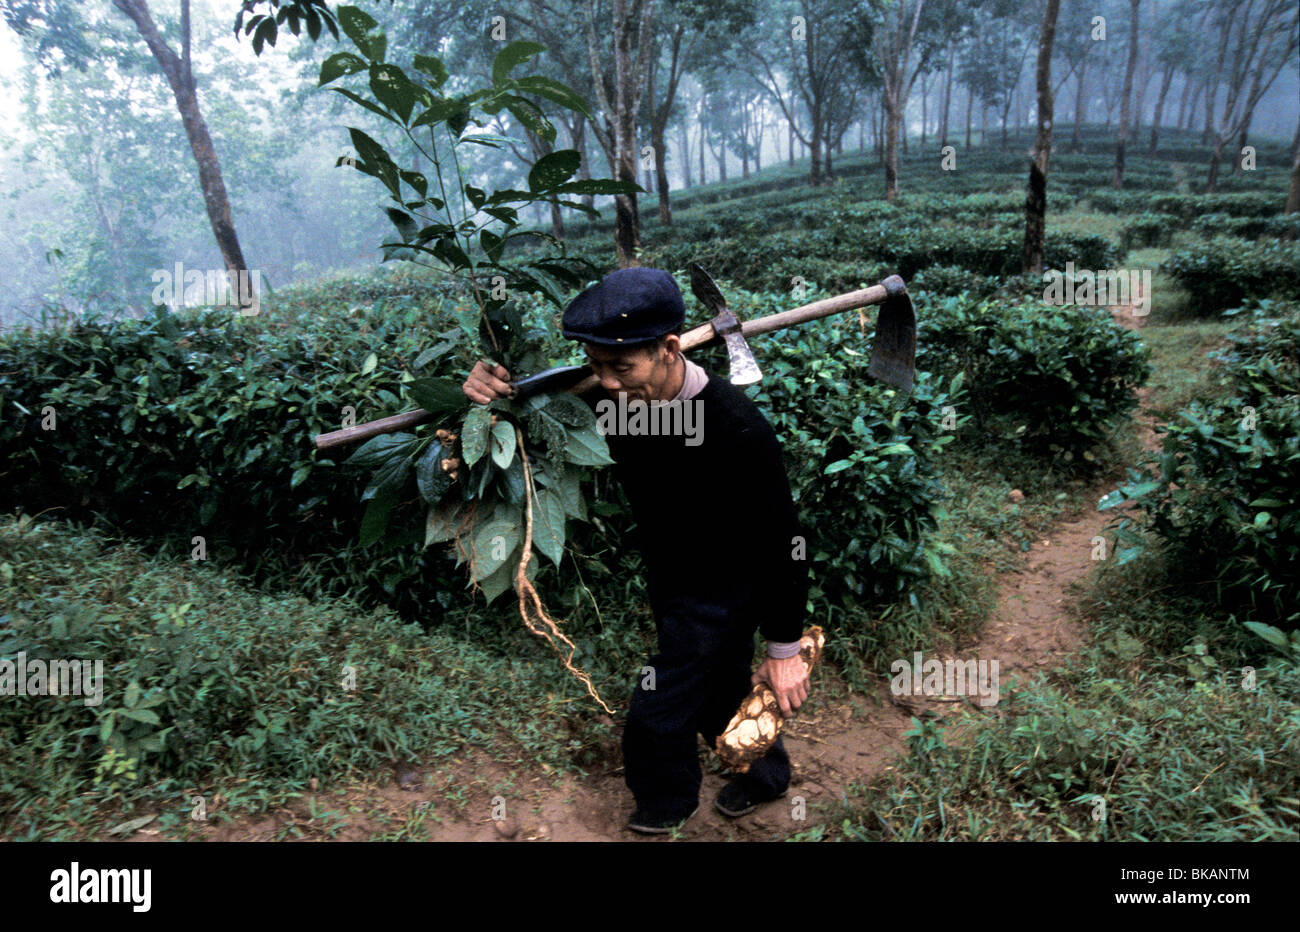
[1127, 93]
[813, 68]
[894, 38]
[630, 28]
[1036, 194]
[1266, 39]
[59, 26]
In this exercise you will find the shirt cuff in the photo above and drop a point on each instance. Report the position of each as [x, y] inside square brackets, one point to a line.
[782, 650]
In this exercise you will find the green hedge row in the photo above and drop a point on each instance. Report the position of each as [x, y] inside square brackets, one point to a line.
[201, 424]
[769, 261]
[1221, 498]
[1054, 376]
[1224, 272]
[1280, 226]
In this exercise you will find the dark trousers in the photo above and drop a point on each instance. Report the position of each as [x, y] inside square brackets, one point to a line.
[694, 686]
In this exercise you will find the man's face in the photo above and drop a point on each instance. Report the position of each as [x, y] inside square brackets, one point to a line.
[644, 374]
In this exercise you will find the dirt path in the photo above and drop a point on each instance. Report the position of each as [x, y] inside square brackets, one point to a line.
[833, 744]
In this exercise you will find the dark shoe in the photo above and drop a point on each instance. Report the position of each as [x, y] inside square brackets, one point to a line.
[657, 823]
[740, 796]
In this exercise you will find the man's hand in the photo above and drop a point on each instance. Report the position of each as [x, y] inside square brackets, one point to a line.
[487, 381]
[788, 679]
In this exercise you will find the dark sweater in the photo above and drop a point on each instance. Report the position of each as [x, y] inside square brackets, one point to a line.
[715, 521]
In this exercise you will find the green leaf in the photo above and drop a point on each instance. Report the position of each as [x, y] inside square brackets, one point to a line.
[407, 228]
[553, 169]
[837, 466]
[379, 449]
[433, 67]
[375, 521]
[528, 113]
[368, 366]
[142, 715]
[1111, 500]
[548, 525]
[569, 410]
[389, 475]
[440, 397]
[300, 475]
[338, 65]
[394, 90]
[441, 523]
[1273, 635]
[895, 449]
[555, 92]
[494, 543]
[132, 695]
[570, 487]
[474, 434]
[363, 30]
[501, 580]
[503, 443]
[430, 478]
[599, 186]
[513, 55]
[587, 448]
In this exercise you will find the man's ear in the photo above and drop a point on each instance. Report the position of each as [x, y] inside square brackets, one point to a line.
[673, 345]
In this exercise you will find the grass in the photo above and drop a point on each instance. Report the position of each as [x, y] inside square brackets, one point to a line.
[246, 686]
[1147, 735]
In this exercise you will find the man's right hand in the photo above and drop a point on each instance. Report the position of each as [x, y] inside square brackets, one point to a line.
[487, 381]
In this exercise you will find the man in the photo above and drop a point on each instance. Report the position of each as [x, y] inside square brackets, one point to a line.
[719, 538]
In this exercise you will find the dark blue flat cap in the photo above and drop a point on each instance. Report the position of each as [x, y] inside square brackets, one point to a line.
[627, 306]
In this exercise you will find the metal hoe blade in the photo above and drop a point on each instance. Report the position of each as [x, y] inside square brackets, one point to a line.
[893, 352]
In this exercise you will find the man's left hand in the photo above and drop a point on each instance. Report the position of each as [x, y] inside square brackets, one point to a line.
[788, 679]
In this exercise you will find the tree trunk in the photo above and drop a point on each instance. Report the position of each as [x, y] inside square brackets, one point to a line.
[947, 98]
[925, 88]
[177, 70]
[1036, 194]
[657, 142]
[631, 69]
[1080, 107]
[1167, 80]
[685, 146]
[790, 128]
[702, 176]
[1182, 105]
[1211, 93]
[878, 131]
[1126, 94]
[892, 120]
[1191, 110]
[1212, 179]
[816, 148]
[970, 109]
[1293, 195]
[744, 142]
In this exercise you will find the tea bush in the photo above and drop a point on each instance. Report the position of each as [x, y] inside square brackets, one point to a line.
[1149, 229]
[1221, 497]
[1052, 375]
[200, 425]
[1224, 272]
[1280, 226]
